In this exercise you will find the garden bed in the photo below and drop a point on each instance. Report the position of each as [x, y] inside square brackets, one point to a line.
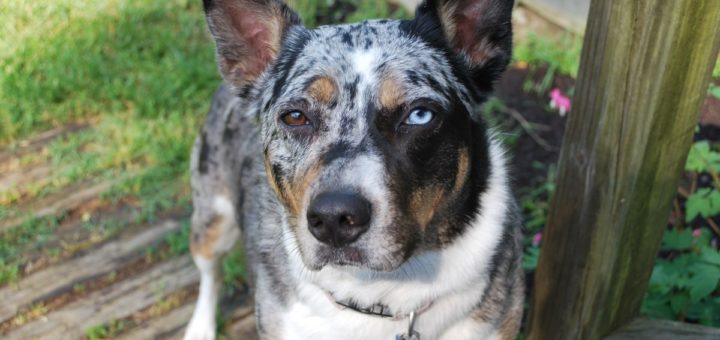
[684, 284]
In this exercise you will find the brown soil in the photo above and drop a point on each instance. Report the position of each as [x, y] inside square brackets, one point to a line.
[549, 126]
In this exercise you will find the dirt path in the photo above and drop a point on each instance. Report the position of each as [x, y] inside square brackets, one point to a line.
[125, 284]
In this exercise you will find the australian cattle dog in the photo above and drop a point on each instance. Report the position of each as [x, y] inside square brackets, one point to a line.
[372, 200]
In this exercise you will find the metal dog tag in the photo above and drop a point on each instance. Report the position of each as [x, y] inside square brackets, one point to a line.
[411, 333]
[413, 336]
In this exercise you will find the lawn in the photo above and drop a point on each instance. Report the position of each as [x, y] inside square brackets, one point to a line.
[138, 73]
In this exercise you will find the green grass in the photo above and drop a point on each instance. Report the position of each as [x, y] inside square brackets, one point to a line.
[65, 60]
[142, 60]
[32, 234]
[559, 55]
[142, 71]
[105, 330]
[323, 12]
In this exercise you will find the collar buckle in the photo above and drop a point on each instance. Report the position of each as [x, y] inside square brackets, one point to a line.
[411, 333]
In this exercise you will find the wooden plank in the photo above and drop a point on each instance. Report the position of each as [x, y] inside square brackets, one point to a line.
[568, 14]
[38, 141]
[62, 277]
[74, 239]
[243, 328]
[69, 198]
[169, 326]
[111, 303]
[644, 72]
[239, 324]
[22, 177]
[650, 329]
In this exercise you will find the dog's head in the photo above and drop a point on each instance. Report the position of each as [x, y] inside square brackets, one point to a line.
[369, 130]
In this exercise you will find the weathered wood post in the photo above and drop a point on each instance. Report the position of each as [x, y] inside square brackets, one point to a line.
[644, 72]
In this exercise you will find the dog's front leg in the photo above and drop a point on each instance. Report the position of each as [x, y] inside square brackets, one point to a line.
[202, 324]
[212, 237]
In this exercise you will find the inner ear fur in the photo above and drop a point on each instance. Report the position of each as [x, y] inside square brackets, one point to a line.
[248, 35]
[478, 31]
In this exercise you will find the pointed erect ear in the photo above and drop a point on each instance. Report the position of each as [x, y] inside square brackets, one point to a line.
[480, 31]
[248, 34]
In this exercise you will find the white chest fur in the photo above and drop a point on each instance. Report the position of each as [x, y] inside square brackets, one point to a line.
[315, 316]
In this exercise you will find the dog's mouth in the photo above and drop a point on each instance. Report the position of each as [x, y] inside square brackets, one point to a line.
[351, 258]
[348, 256]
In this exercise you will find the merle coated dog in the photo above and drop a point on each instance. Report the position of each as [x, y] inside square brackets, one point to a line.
[372, 199]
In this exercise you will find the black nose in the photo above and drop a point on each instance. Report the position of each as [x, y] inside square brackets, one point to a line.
[338, 218]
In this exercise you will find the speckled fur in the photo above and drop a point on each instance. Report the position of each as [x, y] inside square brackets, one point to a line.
[444, 229]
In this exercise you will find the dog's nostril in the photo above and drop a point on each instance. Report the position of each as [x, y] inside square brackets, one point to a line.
[347, 220]
[338, 218]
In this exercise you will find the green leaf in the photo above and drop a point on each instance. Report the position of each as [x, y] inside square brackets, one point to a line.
[674, 240]
[704, 202]
[714, 198]
[701, 158]
[704, 281]
[710, 255]
[695, 161]
[707, 312]
[660, 281]
[530, 260]
[714, 91]
[679, 302]
[657, 306]
[703, 240]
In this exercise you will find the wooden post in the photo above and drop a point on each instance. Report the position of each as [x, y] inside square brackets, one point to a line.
[644, 73]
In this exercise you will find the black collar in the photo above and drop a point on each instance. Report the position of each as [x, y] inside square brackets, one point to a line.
[377, 309]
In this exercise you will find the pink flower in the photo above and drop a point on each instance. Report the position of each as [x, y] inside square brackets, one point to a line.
[537, 238]
[697, 232]
[559, 101]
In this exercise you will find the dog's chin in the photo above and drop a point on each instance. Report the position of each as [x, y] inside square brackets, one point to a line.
[349, 258]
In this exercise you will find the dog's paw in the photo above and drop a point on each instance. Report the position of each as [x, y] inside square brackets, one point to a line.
[199, 329]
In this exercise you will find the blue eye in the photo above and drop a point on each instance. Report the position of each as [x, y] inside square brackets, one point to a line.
[419, 116]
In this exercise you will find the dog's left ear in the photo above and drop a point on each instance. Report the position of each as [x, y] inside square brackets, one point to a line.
[479, 31]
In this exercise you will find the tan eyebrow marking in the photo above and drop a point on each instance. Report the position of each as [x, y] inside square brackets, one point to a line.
[323, 89]
[392, 93]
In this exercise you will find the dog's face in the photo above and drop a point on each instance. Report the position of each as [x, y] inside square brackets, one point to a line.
[368, 130]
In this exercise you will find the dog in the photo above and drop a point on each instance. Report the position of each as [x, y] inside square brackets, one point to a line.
[372, 200]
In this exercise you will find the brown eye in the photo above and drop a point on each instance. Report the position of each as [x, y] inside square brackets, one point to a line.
[295, 118]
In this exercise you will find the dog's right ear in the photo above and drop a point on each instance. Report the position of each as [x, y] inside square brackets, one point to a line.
[248, 35]
[479, 32]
